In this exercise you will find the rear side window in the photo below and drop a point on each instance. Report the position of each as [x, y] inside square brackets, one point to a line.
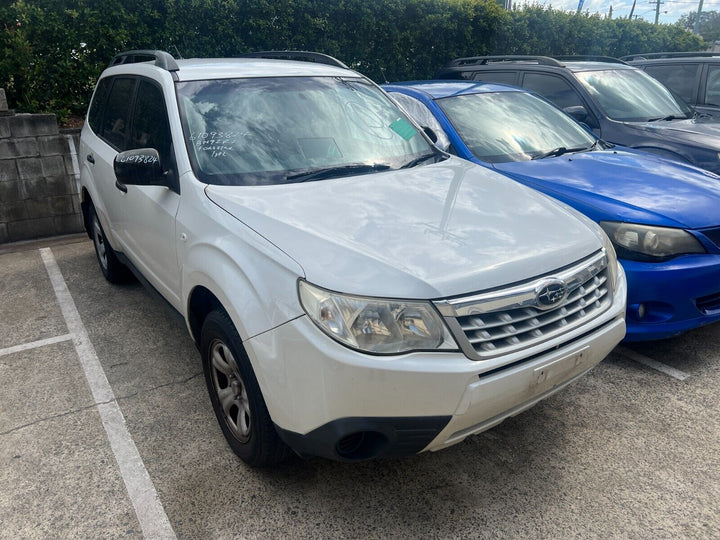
[712, 87]
[680, 78]
[98, 104]
[505, 77]
[116, 120]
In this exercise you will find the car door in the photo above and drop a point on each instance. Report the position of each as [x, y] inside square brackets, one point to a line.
[147, 225]
[560, 92]
[109, 126]
[681, 78]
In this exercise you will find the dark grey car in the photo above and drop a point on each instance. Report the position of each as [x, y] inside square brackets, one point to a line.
[695, 77]
[620, 103]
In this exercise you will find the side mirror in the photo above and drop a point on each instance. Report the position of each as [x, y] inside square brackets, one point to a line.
[578, 112]
[139, 167]
[442, 143]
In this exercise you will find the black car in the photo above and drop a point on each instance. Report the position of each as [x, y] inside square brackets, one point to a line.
[619, 102]
[695, 77]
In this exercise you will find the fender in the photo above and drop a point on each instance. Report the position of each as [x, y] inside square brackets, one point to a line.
[257, 291]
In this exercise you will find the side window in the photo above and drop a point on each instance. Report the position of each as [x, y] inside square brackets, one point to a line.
[505, 77]
[553, 88]
[150, 127]
[116, 120]
[712, 86]
[680, 78]
[422, 115]
[98, 104]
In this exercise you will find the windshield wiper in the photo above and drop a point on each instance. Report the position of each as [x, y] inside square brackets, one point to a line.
[560, 150]
[421, 159]
[668, 117]
[340, 170]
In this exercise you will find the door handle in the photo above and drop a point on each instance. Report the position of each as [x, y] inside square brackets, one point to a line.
[90, 158]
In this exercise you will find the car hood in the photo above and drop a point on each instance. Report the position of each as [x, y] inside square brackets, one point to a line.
[626, 185]
[427, 232]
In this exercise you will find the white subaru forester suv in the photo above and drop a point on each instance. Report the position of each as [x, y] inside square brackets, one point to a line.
[354, 292]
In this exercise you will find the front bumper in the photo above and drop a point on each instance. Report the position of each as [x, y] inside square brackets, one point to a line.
[676, 296]
[330, 401]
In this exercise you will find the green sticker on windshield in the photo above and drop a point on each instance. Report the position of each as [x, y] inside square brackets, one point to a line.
[403, 128]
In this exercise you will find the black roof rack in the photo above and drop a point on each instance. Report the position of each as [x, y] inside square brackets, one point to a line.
[589, 58]
[483, 60]
[650, 56]
[302, 56]
[162, 59]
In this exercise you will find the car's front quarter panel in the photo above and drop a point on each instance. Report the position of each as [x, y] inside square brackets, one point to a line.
[255, 282]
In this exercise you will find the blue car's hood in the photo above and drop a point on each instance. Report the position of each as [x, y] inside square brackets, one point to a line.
[626, 185]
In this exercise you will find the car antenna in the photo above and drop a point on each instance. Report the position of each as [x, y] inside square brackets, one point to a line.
[383, 74]
[180, 56]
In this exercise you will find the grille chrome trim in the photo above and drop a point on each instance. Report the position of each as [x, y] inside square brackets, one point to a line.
[491, 324]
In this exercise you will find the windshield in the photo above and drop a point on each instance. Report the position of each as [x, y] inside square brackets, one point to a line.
[512, 126]
[274, 130]
[629, 95]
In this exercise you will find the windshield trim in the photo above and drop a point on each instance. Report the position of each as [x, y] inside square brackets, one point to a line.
[289, 176]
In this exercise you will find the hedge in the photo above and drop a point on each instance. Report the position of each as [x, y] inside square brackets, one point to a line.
[53, 51]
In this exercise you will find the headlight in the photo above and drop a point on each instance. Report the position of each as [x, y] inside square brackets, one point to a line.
[612, 263]
[375, 325]
[650, 243]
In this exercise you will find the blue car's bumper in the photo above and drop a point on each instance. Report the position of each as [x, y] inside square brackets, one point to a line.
[676, 296]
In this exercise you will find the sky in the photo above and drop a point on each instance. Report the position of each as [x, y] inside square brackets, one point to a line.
[670, 10]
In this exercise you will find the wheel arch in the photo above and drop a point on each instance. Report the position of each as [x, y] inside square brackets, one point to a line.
[200, 304]
[85, 202]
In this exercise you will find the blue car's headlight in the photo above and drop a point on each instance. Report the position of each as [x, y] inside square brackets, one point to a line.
[650, 243]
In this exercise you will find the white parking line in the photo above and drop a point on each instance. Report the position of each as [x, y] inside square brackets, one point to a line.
[35, 344]
[148, 508]
[654, 364]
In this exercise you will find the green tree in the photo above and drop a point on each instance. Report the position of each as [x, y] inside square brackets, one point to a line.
[709, 27]
[52, 52]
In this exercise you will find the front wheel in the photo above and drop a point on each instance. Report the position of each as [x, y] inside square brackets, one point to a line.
[235, 394]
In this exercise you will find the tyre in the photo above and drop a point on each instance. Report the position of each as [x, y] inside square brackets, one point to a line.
[113, 270]
[235, 394]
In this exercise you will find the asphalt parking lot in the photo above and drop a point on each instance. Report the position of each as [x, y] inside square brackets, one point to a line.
[106, 431]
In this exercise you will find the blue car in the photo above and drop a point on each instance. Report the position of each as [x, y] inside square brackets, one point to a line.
[662, 216]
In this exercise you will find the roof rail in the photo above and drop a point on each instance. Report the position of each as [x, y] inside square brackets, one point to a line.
[302, 56]
[162, 59]
[589, 58]
[483, 60]
[650, 56]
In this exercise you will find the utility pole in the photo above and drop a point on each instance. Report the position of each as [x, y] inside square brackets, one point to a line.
[632, 10]
[657, 9]
[696, 29]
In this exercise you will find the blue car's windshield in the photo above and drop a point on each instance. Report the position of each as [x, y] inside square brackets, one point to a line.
[629, 95]
[293, 129]
[513, 126]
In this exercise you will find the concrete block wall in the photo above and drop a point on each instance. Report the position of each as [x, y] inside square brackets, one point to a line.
[38, 190]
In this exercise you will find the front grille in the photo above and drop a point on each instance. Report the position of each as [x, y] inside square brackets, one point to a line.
[713, 235]
[709, 305]
[505, 321]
